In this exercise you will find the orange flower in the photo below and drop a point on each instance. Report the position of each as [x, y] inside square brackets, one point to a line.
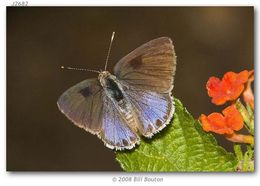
[227, 89]
[230, 121]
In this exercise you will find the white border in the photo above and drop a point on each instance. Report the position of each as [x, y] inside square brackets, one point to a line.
[135, 2]
[86, 178]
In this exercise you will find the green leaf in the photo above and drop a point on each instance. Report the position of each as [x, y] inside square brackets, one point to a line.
[238, 152]
[182, 146]
[246, 160]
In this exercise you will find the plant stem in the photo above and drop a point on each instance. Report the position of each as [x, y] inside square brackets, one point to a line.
[247, 115]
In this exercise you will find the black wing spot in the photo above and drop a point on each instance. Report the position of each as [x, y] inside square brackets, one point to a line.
[132, 138]
[125, 142]
[86, 92]
[158, 123]
[136, 62]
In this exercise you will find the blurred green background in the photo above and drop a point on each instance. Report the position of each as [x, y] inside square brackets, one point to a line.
[209, 41]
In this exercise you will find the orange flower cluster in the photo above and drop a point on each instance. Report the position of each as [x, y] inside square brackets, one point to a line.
[227, 124]
[229, 88]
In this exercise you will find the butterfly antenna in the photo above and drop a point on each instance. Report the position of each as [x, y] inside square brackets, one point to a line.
[80, 69]
[108, 53]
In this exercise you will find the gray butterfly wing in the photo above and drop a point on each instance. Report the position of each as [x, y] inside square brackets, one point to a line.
[151, 66]
[153, 110]
[115, 131]
[147, 74]
[83, 105]
[88, 107]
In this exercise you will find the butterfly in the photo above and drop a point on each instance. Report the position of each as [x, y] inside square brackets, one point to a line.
[135, 101]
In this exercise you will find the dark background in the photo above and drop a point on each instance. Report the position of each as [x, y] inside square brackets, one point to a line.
[208, 41]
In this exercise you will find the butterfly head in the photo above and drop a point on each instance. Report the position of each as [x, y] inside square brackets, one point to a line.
[102, 77]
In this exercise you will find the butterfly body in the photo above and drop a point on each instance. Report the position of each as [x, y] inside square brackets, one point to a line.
[135, 101]
[114, 90]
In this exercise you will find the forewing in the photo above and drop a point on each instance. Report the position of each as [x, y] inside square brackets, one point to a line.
[154, 110]
[83, 105]
[151, 66]
[115, 132]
